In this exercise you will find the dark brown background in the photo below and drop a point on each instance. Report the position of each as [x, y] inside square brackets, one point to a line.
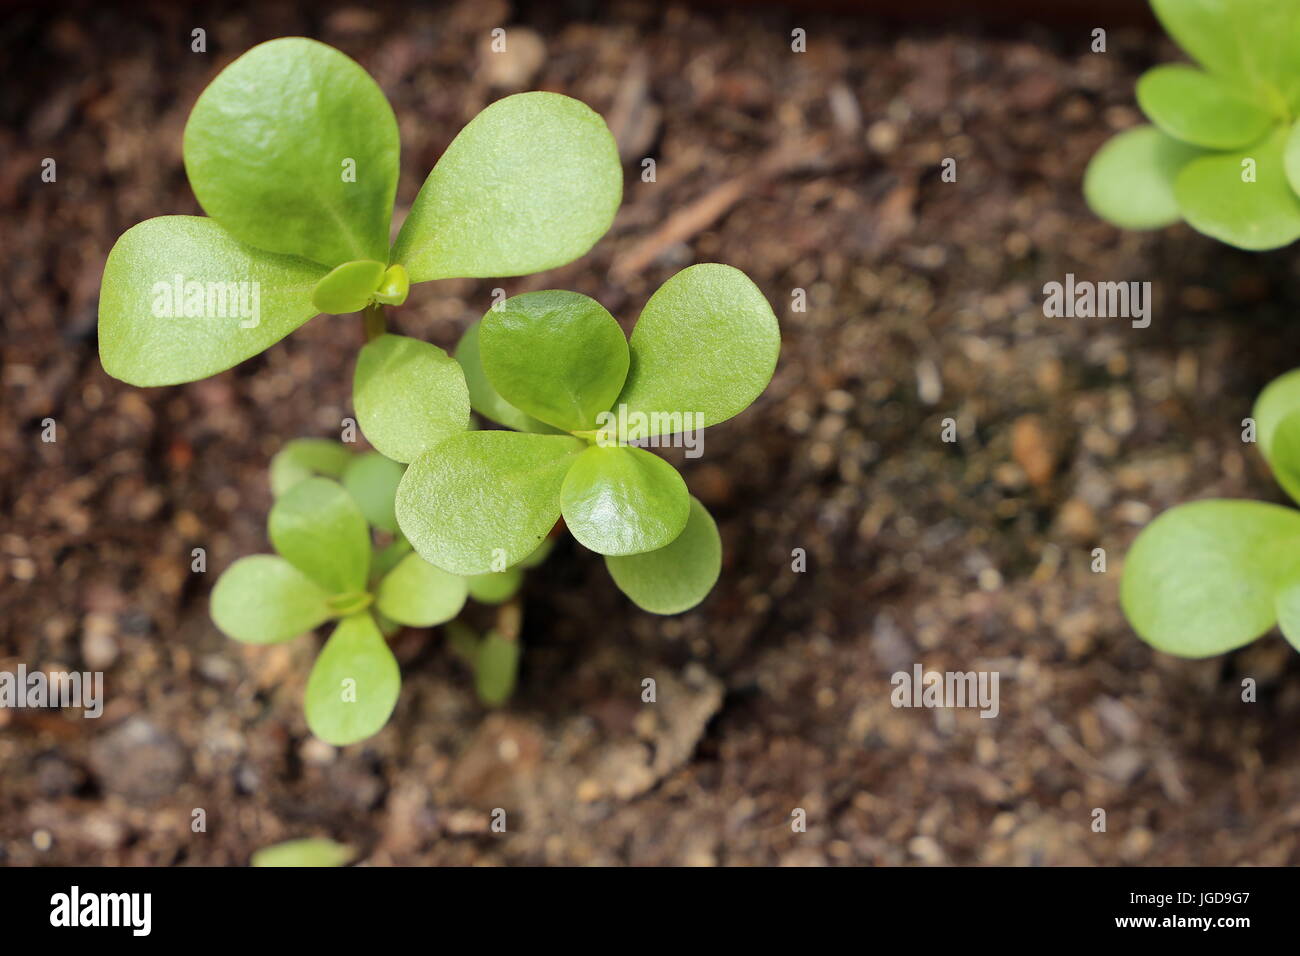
[816, 171]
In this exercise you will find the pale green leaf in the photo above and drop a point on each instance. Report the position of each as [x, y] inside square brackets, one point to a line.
[483, 398]
[182, 300]
[1287, 604]
[409, 395]
[558, 356]
[484, 499]
[677, 577]
[371, 480]
[303, 457]
[496, 666]
[704, 348]
[621, 500]
[318, 528]
[1201, 579]
[1277, 430]
[1217, 196]
[1130, 181]
[530, 184]
[353, 685]
[418, 594]
[348, 287]
[314, 851]
[494, 587]
[293, 148]
[1200, 108]
[263, 599]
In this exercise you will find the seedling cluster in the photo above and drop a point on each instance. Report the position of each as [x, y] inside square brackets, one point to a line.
[292, 151]
[1224, 151]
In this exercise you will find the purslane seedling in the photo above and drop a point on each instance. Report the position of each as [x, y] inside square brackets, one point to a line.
[1210, 576]
[292, 151]
[329, 566]
[1224, 151]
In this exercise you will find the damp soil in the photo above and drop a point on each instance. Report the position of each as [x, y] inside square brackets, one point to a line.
[819, 172]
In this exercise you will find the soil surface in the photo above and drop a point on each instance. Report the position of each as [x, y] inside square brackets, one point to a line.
[816, 171]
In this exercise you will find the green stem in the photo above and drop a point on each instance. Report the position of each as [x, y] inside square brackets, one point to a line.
[376, 324]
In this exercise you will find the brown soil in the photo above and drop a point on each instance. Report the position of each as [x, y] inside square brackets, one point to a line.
[816, 171]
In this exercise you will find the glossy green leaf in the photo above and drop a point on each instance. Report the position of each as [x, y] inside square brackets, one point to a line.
[393, 286]
[420, 595]
[1130, 181]
[704, 348]
[182, 300]
[371, 480]
[1202, 578]
[263, 599]
[496, 667]
[621, 500]
[348, 287]
[1277, 429]
[353, 685]
[303, 457]
[318, 528]
[1216, 200]
[558, 356]
[530, 184]
[293, 148]
[314, 851]
[495, 587]
[1201, 108]
[481, 500]
[483, 398]
[675, 578]
[409, 395]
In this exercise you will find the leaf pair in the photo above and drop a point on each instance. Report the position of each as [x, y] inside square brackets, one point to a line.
[322, 570]
[1211, 576]
[1224, 152]
[292, 151]
[548, 363]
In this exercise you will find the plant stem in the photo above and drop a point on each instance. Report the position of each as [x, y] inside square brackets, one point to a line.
[376, 324]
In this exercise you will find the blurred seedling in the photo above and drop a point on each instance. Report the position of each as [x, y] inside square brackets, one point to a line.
[340, 557]
[1224, 151]
[312, 851]
[1210, 576]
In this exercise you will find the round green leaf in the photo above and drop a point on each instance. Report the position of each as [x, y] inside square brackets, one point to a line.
[182, 300]
[483, 398]
[704, 348]
[353, 685]
[621, 500]
[317, 527]
[1202, 578]
[558, 356]
[495, 587]
[314, 851]
[1255, 215]
[1277, 429]
[530, 184]
[371, 479]
[675, 578]
[293, 148]
[484, 499]
[303, 457]
[1201, 108]
[409, 395]
[420, 595]
[348, 287]
[496, 666]
[263, 599]
[1130, 181]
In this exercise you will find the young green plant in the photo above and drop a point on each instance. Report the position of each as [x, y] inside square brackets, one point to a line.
[1210, 576]
[556, 369]
[1224, 151]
